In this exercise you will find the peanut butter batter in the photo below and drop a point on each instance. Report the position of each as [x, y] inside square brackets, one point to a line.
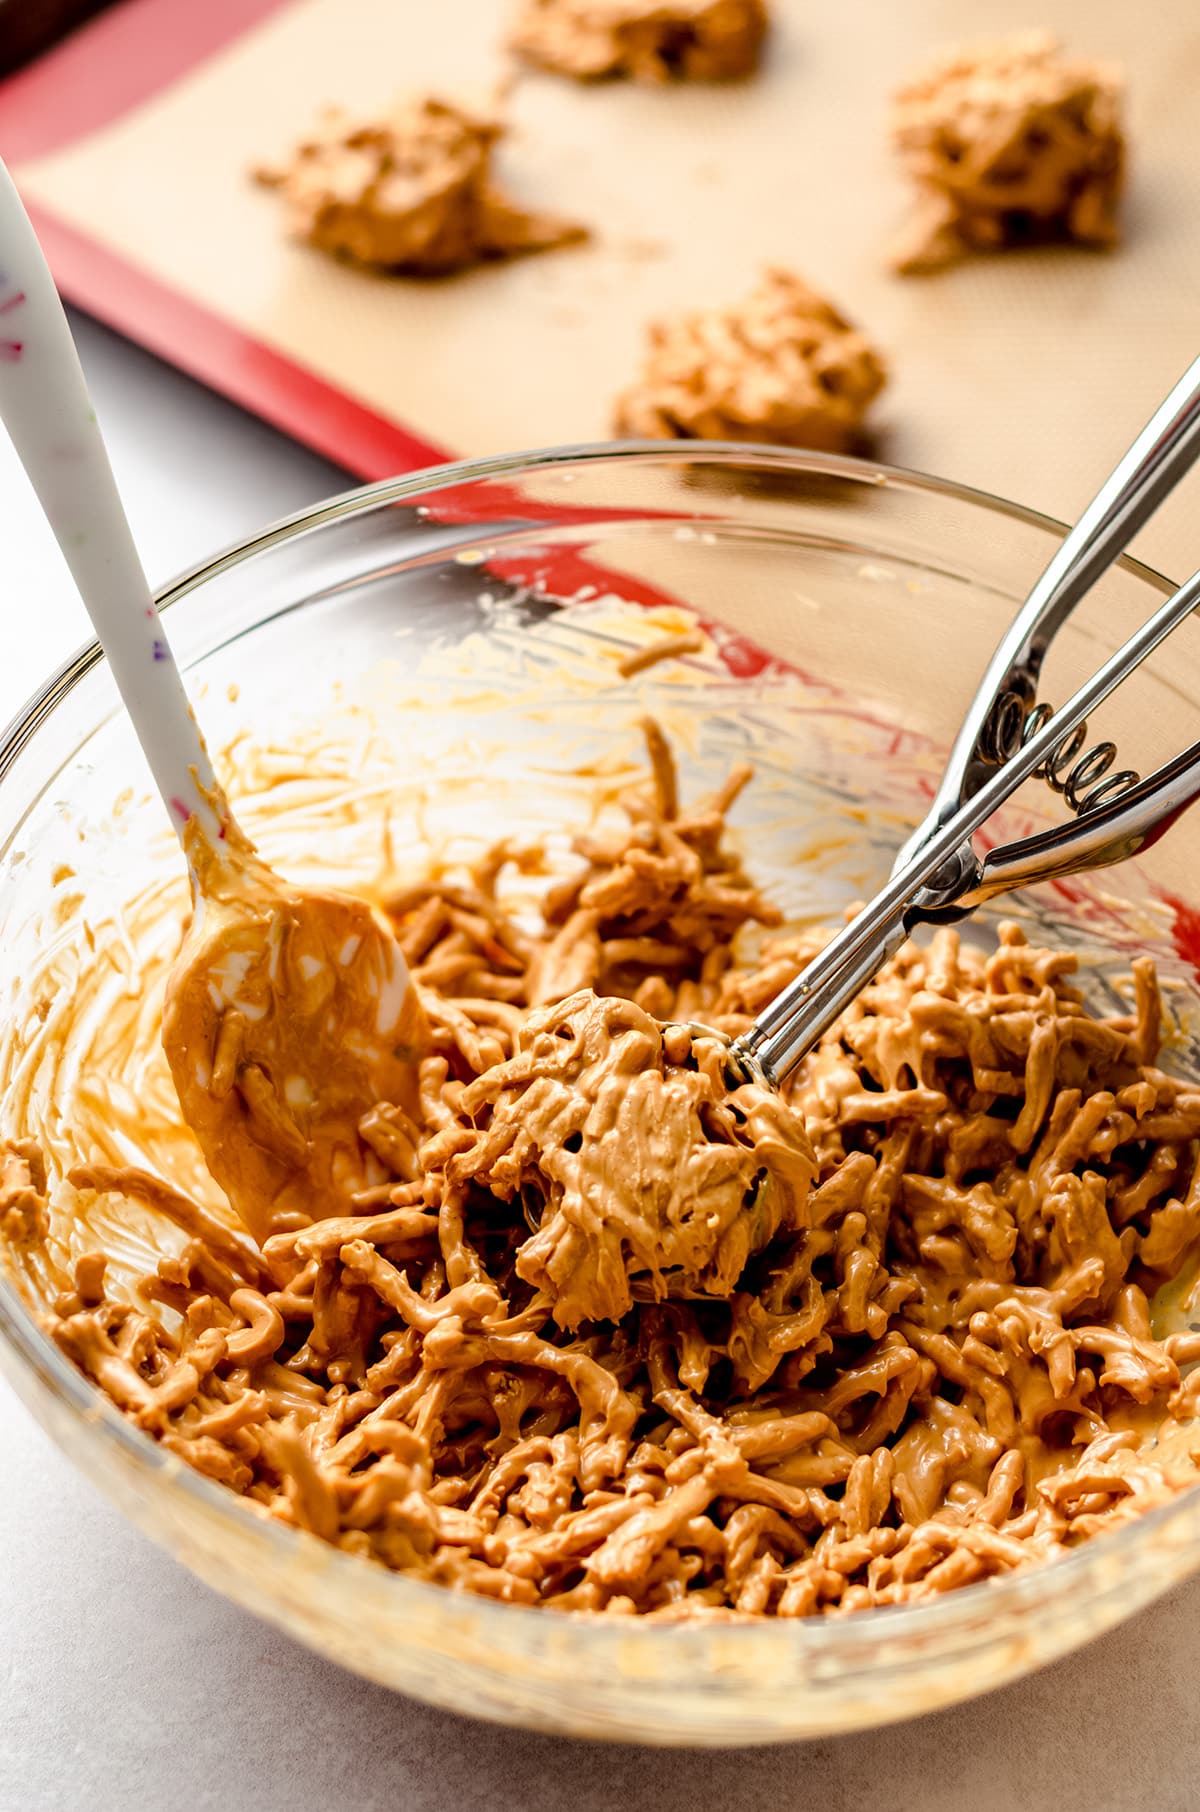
[286, 1017]
[413, 193]
[615, 1332]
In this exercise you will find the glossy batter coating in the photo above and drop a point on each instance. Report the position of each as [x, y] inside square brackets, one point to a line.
[782, 364]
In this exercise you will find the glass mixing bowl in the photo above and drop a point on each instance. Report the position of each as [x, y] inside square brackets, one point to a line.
[442, 651]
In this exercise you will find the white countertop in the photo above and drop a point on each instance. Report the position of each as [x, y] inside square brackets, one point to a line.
[125, 1683]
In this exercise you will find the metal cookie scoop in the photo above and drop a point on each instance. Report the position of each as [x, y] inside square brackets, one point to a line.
[938, 877]
[289, 1012]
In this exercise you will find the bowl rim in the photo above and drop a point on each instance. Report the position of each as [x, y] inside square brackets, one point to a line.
[28, 1341]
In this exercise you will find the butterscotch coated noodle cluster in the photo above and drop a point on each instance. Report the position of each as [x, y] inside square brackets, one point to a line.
[413, 192]
[781, 365]
[615, 1332]
[1009, 144]
[642, 1161]
[650, 40]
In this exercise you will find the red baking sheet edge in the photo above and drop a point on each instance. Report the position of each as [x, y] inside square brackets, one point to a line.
[108, 66]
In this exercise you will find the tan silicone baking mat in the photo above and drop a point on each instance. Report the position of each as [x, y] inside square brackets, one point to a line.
[1022, 373]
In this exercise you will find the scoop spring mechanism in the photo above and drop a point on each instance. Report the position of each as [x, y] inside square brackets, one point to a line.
[1080, 774]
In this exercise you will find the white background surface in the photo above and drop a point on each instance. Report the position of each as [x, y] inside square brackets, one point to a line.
[125, 1683]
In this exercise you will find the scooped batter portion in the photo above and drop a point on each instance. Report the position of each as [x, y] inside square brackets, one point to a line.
[650, 40]
[609, 1331]
[1008, 144]
[782, 364]
[413, 192]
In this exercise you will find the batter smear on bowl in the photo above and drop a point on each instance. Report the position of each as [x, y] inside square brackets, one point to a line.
[615, 1331]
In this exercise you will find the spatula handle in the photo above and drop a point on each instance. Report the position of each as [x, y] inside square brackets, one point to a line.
[45, 406]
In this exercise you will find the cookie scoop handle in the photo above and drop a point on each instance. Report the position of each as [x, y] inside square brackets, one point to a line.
[1147, 472]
